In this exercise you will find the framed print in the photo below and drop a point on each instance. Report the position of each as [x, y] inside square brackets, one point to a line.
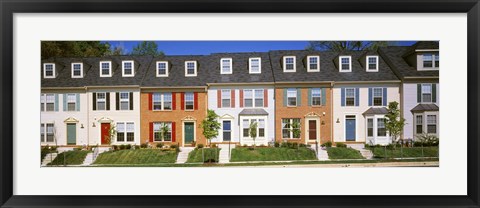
[262, 104]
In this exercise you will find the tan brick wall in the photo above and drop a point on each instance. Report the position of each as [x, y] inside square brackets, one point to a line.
[300, 112]
[147, 116]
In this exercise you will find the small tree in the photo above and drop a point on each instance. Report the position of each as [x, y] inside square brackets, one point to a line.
[164, 129]
[252, 131]
[296, 129]
[393, 123]
[111, 134]
[210, 125]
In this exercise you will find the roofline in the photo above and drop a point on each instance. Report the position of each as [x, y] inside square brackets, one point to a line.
[421, 77]
[240, 83]
[368, 82]
[115, 86]
[426, 50]
[306, 82]
[173, 87]
[63, 88]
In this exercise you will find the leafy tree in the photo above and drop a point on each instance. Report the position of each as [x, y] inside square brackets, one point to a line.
[74, 49]
[111, 134]
[252, 131]
[164, 129]
[393, 123]
[347, 45]
[296, 129]
[210, 125]
[147, 48]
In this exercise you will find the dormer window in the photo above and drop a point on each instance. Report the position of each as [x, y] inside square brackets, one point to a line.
[289, 64]
[162, 69]
[372, 63]
[255, 65]
[190, 68]
[427, 60]
[49, 70]
[225, 66]
[128, 69]
[105, 69]
[437, 60]
[313, 63]
[77, 70]
[345, 63]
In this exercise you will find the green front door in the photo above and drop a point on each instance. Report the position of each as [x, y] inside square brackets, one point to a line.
[189, 135]
[72, 134]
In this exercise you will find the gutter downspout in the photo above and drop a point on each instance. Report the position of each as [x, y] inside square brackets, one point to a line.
[331, 113]
[88, 117]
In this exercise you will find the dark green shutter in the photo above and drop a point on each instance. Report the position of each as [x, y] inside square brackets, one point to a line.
[65, 102]
[309, 96]
[117, 100]
[324, 96]
[419, 93]
[284, 97]
[299, 96]
[94, 103]
[434, 93]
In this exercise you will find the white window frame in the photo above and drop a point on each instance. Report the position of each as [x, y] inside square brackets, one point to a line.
[103, 99]
[44, 101]
[45, 70]
[162, 102]
[367, 61]
[425, 123]
[434, 65]
[296, 99]
[290, 120]
[73, 70]
[375, 127]
[123, 68]
[254, 98]
[249, 119]
[109, 70]
[415, 126]
[230, 65]
[308, 64]
[45, 133]
[373, 96]
[157, 68]
[349, 63]
[259, 65]
[431, 93]
[127, 100]
[125, 132]
[194, 69]
[285, 64]
[160, 139]
[312, 96]
[193, 101]
[74, 101]
[229, 97]
[354, 97]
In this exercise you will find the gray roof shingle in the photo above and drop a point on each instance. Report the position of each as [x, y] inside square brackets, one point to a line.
[425, 107]
[253, 111]
[376, 111]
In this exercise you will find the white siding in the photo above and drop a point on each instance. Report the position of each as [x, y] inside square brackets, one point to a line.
[409, 102]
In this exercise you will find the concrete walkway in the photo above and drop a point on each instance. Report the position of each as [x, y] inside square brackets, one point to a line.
[49, 158]
[225, 154]
[367, 154]
[322, 154]
[183, 154]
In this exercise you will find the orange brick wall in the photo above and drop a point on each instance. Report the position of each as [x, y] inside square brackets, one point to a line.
[300, 112]
[177, 116]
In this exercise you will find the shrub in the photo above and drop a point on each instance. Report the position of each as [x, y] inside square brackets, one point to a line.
[77, 149]
[128, 146]
[327, 144]
[173, 146]
[251, 148]
[114, 147]
[122, 147]
[213, 145]
[302, 145]
[199, 146]
[293, 145]
[159, 145]
[390, 146]
[284, 144]
[245, 146]
[144, 145]
[341, 145]
[262, 145]
[276, 144]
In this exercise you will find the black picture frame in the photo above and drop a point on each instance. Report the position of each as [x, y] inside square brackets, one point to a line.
[10, 7]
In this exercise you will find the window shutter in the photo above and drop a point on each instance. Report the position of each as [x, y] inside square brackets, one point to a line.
[419, 93]
[265, 98]
[343, 96]
[219, 98]
[285, 96]
[56, 102]
[309, 96]
[357, 96]
[232, 97]
[174, 100]
[150, 97]
[108, 100]
[94, 104]
[370, 96]
[384, 99]
[299, 96]
[131, 100]
[151, 132]
[174, 136]
[241, 98]
[434, 93]
[324, 96]
[64, 102]
[77, 102]
[195, 100]
[117, 100]
[182, 100]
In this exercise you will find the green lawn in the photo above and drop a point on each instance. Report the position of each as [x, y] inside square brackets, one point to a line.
[137, 156]
[44, 153]
[75, 157]
[379, 152]
[343, 153]
[210, 154]
[272, 154]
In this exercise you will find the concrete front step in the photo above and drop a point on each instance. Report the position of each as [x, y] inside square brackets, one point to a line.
[367, 154]
[183, 154]
[49, 158]
[224, 156]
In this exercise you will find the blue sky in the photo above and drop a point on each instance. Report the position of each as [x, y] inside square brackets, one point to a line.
[207, 47]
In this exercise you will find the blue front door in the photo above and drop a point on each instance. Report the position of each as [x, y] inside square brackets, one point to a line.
[350, 128]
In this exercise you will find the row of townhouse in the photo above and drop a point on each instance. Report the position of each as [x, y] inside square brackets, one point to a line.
[337, 97]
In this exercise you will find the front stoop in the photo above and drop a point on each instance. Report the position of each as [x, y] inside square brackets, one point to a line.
[49, 158]
[183, 154]
[224, 156]
[321, 154]
[367, 154]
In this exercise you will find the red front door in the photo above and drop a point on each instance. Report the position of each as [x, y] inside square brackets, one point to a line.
[312, 129]
[105, 133]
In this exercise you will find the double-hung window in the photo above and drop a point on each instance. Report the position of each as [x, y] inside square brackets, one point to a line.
[128, 69]
[427, 60]
[105, 69]
[246, 126]
[124, 101]
[50, 102]
[316, 97]
[291, 97]
[419, 124]
[432, 124]
[345, 63]
[370, 127]
[189, 101]
[426, 93]
[437, 60]
[377, 97]
[253, 98]
[261, 127]
[255, 65]
[227, 130]
[290, 128]
[162, 69]
[162, 101]
[259, 98]
[248, 98]
[162, 131]
[313, 63]
[101, 101]
[226, 66]
[125, 131]
[48, 70]
[289, 64]
[372, 63]
[381, 130]
[190, 68]
[226, 98]
[47, 132]
[71, 102]
[77, 70]
[350, 96]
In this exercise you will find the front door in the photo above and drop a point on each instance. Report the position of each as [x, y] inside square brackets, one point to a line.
[312, 129]
[189, 133]
[105, 134]
[350, 128]
[71, 134]
[227, 131]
